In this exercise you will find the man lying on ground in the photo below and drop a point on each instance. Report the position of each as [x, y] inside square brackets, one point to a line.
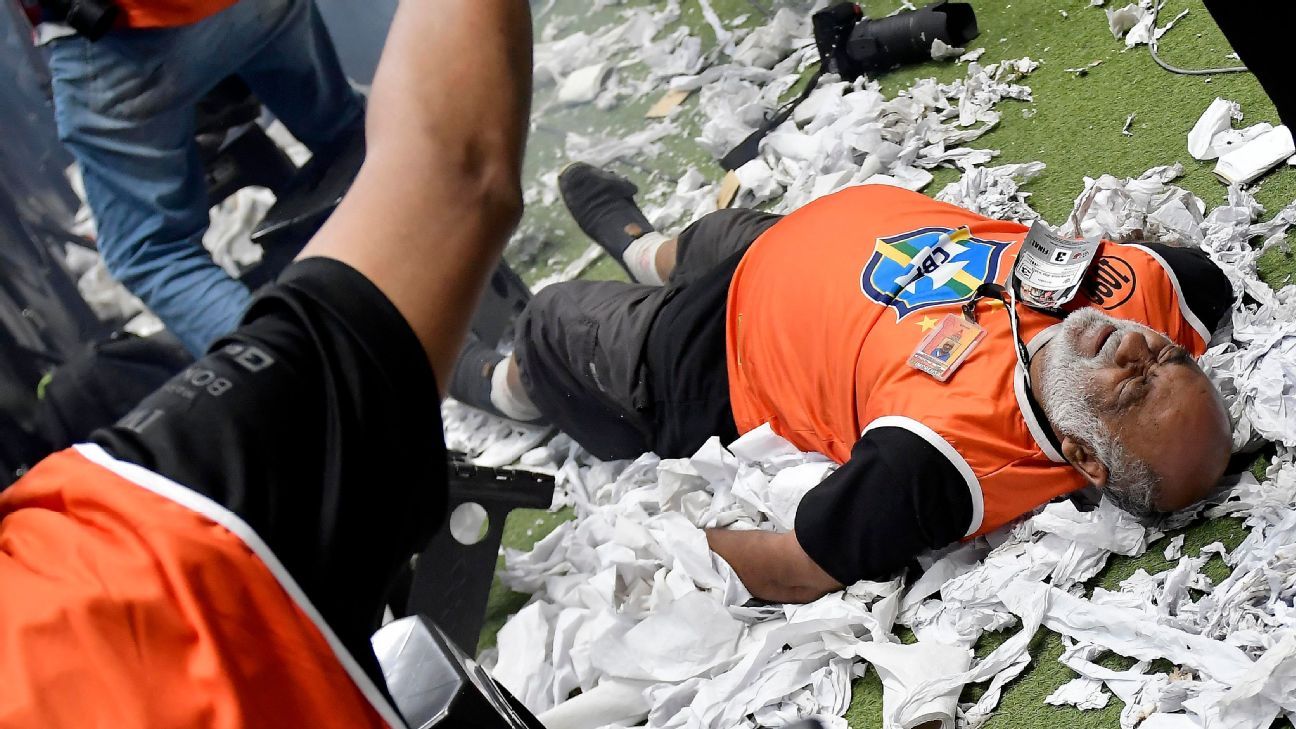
[810, 323]
[221, 556]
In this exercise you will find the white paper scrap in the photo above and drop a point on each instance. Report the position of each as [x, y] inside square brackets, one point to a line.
[1218, 117]
[942, 51]
[1244, 165]
[1083, 693]
[611, 702]
[903, 668]
[583, 84]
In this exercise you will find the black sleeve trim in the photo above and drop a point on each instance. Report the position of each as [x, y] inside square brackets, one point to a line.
[1203, 287]
[896, 497]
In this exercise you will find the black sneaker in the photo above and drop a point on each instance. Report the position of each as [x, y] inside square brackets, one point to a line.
[603, 205]
[470, 383]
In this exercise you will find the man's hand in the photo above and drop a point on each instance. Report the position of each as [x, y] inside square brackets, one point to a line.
[772, 566]
[439, 192]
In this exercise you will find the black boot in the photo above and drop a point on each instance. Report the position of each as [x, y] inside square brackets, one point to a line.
[470, 383]
[603, 205]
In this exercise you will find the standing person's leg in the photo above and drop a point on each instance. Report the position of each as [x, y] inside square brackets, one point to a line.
[296, 74]
[125, 109]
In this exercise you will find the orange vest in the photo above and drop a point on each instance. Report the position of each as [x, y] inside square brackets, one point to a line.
[819, 335]
[127, 600]
[168, 13]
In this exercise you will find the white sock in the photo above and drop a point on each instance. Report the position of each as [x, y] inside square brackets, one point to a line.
[515, 404]
[641, 258]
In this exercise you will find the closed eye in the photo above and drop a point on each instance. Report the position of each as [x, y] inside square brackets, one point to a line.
[1174, 354]
[1135, 388]
[1132, 391]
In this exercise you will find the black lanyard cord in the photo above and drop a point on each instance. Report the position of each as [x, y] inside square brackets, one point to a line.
[1007, 297]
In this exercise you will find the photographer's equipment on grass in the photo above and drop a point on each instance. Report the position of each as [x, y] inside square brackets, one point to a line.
[851, 45]
[451, 578]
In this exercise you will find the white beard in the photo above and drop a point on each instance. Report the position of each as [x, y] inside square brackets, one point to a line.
[1067, 394]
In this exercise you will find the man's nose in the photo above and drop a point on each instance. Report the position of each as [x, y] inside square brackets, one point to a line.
[1133, 349]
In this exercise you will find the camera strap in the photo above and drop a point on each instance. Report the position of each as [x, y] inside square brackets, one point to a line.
[832, 28]
[749, 148]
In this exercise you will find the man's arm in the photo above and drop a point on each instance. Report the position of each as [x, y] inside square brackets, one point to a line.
[897, 496]
[772, 565]
[439, 192]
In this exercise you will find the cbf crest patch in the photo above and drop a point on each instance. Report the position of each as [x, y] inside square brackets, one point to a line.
[928, 267]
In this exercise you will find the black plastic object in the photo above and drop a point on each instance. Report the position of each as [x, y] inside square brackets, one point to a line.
[452, 581]
[314, 193]
[304, 205]
[505, 297]
[434, 684]
[832, 29]
[884, 43]
[234, 149]
[248, 157]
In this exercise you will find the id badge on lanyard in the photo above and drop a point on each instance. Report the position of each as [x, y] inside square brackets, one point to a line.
[946, 346]
[941, 352]
[1046, 275]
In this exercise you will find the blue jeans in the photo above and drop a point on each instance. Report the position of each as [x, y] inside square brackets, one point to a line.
[125, 109]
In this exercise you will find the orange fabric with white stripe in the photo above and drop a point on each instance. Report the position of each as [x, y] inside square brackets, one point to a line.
[120, 607]
[168, 13]
[813, 355]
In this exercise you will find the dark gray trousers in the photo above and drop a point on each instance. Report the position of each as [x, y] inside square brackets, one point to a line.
[580, 344]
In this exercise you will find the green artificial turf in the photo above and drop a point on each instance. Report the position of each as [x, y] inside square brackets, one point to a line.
[522, 529]
[1073, 126]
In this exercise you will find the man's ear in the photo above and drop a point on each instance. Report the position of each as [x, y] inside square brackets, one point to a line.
[1080, 455]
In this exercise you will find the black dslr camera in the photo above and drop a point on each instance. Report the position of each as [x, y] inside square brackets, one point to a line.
[91, 18]
[851, 45]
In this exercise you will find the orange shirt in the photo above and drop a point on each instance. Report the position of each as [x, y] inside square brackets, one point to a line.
[819, 333]
[127, 600]
[168, 13]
